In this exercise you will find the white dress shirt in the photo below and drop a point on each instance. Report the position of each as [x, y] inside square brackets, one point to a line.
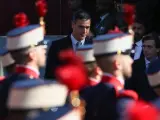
[147, 62]
[138, 50]
[74, 42]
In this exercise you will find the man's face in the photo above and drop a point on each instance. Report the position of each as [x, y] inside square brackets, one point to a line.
[149, 49]
[139, 31]
[126, 62]
[41, 55]
[74, 4]
[81, 29]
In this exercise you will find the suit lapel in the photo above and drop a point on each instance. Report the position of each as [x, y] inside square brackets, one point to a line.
[69, 41]
[142, 63]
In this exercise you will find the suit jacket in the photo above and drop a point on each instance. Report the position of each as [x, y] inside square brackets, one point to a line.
[139, 81]
[53, 60]
[109, 22]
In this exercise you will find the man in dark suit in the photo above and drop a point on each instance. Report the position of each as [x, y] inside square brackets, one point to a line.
[81, 26]
[139, 31]
[108, 17]
[139, 82]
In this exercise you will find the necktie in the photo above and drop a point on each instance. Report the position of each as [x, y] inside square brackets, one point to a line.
[133, 50]
[78, 44]
[147, 65]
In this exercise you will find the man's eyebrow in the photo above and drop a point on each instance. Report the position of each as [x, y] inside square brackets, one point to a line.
[84, 26]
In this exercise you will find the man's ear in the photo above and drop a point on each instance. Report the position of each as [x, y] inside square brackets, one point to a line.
[158, 50]
[73, 24]
[98, 71]
[32, 54]
[117, 64]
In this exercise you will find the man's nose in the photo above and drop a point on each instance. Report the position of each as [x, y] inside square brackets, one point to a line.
[84, 30]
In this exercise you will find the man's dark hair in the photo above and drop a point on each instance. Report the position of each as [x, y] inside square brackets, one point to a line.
[80, 15]
[20, 56]
[90, 66]
[153, 36]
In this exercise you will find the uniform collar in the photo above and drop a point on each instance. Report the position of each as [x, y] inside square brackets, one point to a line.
[28, 70]
[116, 82]
[121, 80]
[147, 61]
[93, 81]
[74, 40]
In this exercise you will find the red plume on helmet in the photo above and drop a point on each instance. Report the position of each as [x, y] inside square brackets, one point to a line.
[21, 20]
[41, 6]
[129, 11]
[72, 73]
[68, 56]
[2, 78]
[128, 93]
[116, 30]
[141, 111]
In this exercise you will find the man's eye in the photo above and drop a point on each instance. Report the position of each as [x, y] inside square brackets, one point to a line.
[81, 27]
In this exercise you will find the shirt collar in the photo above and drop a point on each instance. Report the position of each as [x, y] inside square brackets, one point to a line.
[139, 43]
[74, 41]
[93, 79]
[147, 61]
[31, 68]
[121, 80]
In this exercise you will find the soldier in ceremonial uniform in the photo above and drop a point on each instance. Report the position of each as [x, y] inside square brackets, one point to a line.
[50, 105]
[28, 48]
[112, 55]
[39, 100]
[94, 72]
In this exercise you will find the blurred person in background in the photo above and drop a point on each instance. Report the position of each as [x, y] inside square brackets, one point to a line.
[93, 71]
[108, 17]
[139, 31]
[138, 81]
